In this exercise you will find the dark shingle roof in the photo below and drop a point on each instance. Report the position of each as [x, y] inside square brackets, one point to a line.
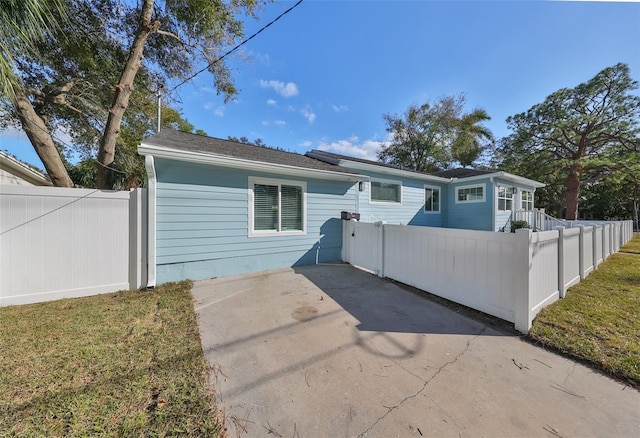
[452, 173]
[336, 157]
[462, 173]
[182, 141]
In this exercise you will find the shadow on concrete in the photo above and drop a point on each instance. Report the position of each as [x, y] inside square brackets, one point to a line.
[383, 306]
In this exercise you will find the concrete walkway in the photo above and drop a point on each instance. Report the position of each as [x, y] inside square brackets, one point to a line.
[331, 351]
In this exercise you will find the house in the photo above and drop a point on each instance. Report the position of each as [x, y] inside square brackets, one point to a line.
[15, 172]
[219, 208]
[459, 198]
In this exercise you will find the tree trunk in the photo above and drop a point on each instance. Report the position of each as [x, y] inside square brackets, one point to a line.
[571, 196]
[123, 91]
[41, 139]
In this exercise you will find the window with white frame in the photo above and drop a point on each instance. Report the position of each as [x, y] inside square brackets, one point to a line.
[431, 199]
[505, 198]
[386, 191]
[527, 200]
[276, 207]
[470, 194]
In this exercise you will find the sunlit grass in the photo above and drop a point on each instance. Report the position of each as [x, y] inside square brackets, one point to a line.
[599, 320]
[123, 364]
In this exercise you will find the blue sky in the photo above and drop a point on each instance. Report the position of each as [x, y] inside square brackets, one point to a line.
[323, 75]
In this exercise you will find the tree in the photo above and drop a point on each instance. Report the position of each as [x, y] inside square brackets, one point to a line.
[22, 24]
[580, 135]
[431, 137]
[471, 137]
[105, 63]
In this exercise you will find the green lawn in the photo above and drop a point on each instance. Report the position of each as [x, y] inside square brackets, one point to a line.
[123, 364]
[599, 320]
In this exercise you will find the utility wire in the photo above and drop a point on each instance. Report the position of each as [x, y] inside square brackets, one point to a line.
[236, 47]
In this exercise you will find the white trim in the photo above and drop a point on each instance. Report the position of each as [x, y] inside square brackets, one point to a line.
[241, 163]
[21, 170]
[275, 182]
[385, 181]
[152, 219]
[391, 171]
[505, 176]
[426, 186]
[472, 201]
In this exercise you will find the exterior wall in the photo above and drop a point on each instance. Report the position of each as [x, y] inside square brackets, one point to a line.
[472, 215]
[409, 212]
[202, 223]
[7, 178]
[502, 217]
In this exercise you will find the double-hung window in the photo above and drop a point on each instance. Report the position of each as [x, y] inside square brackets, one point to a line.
[505, 198]
[431, 199]
[276, 207]
[386, 191]
[527, 200]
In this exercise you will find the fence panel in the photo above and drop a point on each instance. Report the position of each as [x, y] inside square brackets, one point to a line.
[474, 268]
[586, 251]
[61, 243]
[366, 251]
[543, 270]
[598, 252]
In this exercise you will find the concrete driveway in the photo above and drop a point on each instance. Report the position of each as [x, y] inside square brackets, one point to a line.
[331, 351]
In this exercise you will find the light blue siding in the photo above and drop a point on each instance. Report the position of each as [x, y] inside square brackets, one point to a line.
[409, 212]
[202, 223]
[471, 215]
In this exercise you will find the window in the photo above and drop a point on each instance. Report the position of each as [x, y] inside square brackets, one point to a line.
[276, 207]
[527, 200]
[431, 199]
[386, 191]
[505, 198]
[470, 194]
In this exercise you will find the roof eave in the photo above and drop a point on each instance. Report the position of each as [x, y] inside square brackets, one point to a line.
[240, 163]
[505, 176]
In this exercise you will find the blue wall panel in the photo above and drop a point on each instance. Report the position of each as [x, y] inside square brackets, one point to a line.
[202, 223]
[409, 212]
[472, 215]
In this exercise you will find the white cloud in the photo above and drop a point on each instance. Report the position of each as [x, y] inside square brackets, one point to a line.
[272, 102]
[308, 114]
[340, 108]
[306, 143]
[280, 122]
[219, 111]
[208, 105]
[353, 148]
[285, 90]
[265, 123]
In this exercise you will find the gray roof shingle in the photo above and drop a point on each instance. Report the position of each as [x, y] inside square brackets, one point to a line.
[187, 142]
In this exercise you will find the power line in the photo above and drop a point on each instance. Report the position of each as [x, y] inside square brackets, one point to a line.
[236, 47]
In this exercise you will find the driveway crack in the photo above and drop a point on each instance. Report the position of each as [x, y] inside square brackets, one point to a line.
[424, 385]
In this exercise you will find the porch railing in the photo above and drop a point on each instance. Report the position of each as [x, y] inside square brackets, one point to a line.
[537, 219]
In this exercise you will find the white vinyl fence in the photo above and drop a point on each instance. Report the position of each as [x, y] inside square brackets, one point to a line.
[63, 243]
[508, 275]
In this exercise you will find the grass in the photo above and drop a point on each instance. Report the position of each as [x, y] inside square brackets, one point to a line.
[123, 364]
[599, 320]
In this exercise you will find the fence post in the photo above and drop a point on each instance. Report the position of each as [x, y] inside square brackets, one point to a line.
[561, 288]
[581, 252]
[380, 249]
[523, 278]
[594, 248]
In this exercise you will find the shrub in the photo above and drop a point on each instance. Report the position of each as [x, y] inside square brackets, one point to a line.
[519, 224]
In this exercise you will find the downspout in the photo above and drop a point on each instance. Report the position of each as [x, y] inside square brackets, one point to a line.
[151, 221]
